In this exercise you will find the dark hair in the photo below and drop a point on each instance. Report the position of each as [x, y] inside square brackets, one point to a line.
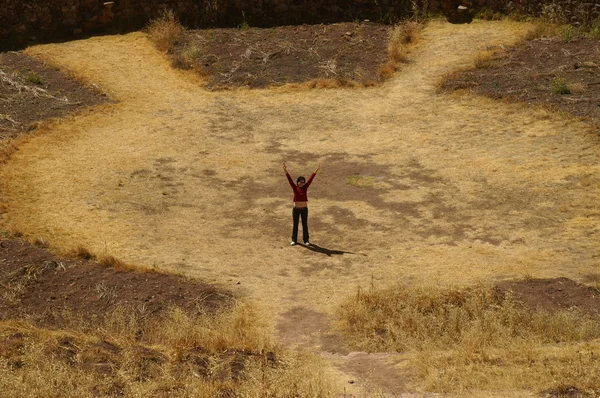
[300, 179]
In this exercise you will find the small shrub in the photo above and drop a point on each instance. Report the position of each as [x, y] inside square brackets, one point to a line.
[577, 88]
[405, 33]
[165, 31]
[244, 24]
[40, 242]
[34, 78]
[558, 85]
[398, 54]
[192, 53]
[83, 253]
[483, 60]
[386, 71]
[568, 33]
[111, 261]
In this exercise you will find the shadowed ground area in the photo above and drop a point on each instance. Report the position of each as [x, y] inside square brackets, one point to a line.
[415, 186]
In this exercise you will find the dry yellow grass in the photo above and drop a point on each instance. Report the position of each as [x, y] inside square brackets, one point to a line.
[468, 189]
[183, 356]
[405, 318]
[464, 340]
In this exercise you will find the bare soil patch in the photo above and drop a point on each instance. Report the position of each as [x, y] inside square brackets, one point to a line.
[350, 53]
[42, 287]
[549, 71]
[554, 294]
[31, 91]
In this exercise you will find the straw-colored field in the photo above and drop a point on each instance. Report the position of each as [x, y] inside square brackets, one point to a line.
[415, 186]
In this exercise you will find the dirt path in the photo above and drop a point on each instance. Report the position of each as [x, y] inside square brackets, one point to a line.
[179, 178]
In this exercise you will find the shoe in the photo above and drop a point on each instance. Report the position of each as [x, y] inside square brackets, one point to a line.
[292, 243]
[306, 243]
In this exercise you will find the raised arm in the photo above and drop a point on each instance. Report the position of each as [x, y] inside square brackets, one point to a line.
[288, 177]
[312, 176]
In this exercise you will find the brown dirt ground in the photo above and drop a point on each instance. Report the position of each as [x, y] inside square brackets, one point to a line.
[27, 102]
[43, 287]
[554, 294]
[253, 57]
[525, 73]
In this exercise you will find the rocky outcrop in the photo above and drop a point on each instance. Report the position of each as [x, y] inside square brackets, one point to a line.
[34, 20]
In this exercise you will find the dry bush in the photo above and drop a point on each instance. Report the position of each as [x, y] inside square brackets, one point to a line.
[401, 38]
[83, 253]
[179, 356]
[107, 260]
[386, 71]
[405, 33]
[578, 87]
[475, 338]
[110, 261]
[165, 31]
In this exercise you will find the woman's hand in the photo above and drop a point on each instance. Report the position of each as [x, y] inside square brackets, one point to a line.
[318, 167]
[284, 168]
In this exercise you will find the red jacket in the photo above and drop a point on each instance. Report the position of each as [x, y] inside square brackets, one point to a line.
[300, 194]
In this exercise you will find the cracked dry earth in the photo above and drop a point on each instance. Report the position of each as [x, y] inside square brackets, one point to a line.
[416, 187]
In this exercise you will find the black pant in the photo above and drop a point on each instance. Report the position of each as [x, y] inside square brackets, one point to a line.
[296, 213]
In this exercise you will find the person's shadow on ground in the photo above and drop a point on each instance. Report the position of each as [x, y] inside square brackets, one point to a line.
[328, 252]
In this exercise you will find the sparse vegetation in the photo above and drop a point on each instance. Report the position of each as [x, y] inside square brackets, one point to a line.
[457, 337]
